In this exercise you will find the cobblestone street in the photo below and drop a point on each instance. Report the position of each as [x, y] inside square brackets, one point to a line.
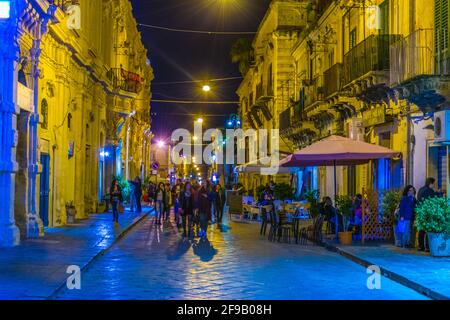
[152, 262]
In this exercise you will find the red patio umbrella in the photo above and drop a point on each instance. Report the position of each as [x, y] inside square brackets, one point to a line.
[337, 151]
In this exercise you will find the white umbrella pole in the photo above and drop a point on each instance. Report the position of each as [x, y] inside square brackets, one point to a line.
[335, 197]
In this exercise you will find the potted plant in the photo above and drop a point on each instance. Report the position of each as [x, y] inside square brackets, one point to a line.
[344, 205]
[70, 212]
[283, 191]
[389, 206]
[433, 217]
[312, 197]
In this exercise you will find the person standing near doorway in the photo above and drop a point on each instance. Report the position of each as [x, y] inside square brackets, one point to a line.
[426, 192]
[406, 216]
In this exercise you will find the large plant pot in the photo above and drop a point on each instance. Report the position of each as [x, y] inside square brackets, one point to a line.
[439, 244]
[396, 237]
[346, 238]
[71, 212]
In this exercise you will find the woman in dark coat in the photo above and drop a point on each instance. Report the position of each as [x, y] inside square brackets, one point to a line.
[204, 209]
[406, 216]
[137, 186]
[219, 202]
[115, 193]
[186, 201]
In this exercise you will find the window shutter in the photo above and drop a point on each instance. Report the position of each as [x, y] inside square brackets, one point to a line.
[441, 22]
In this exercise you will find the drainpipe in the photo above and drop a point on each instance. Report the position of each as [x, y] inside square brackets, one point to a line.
[409, 160]
[127, 154]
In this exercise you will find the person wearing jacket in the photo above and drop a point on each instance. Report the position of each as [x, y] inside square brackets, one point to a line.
[204, 209]
[136, 195]
[186, 201]
[424, 193]
[219, 202]
[167, 202]
[115, 193]
[406, 216]
[160, 199]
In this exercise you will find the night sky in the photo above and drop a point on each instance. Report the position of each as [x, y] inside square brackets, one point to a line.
[186, 56]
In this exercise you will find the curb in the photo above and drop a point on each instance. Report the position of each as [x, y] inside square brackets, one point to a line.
[388, 274]
[135, 222]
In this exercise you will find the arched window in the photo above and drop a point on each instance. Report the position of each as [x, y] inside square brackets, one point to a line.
[44, 114]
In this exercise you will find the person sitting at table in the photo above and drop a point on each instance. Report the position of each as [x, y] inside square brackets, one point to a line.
[329, 211]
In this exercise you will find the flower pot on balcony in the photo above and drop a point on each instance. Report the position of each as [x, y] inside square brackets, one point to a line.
[346, 238]
[439, 244]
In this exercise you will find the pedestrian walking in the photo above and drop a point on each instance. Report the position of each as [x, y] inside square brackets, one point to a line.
[176, 192]
[204, 209]
[116, 199]
[160, 198]
[406, 216]
[219, 202]
[426, 192]
[167, 202]
[187, 209]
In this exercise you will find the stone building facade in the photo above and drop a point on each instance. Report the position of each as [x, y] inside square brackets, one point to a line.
[76, 99]
[374, 71]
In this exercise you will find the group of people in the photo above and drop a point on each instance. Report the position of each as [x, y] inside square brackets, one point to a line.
[405, 213]
[194, 205]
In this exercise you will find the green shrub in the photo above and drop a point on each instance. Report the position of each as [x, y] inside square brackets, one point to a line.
[125, 187]
[433, 215]
[344, 205]
[312, 196]
[390, 202]
[283, 191]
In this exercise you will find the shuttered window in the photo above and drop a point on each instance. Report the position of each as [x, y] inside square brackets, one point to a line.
[441, 22]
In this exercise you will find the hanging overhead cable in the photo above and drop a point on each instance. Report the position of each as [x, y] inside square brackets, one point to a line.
[198, 31]
[194, 102]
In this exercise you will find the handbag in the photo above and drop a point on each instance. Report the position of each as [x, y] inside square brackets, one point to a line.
[120, 208]
[401, 226]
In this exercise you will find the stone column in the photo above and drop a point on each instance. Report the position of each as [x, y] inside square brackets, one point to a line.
[35, 227]
[9, 57]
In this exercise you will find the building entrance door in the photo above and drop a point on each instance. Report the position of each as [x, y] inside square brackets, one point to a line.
[44, 189]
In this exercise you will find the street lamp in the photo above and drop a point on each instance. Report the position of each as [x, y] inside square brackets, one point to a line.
[206, 88]
[161, 144]
[5, 9]
[200, 120]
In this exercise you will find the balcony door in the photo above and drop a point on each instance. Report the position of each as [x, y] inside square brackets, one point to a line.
[384, 17]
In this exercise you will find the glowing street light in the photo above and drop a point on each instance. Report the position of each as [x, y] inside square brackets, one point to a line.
[206, 88]
[200, 120]
[161, 144]
[5, 9]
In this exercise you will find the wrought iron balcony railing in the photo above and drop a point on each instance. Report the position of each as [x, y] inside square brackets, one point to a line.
[315, 92]
[412, 57]
[369, 56]
[122, 79]
[333, 79]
